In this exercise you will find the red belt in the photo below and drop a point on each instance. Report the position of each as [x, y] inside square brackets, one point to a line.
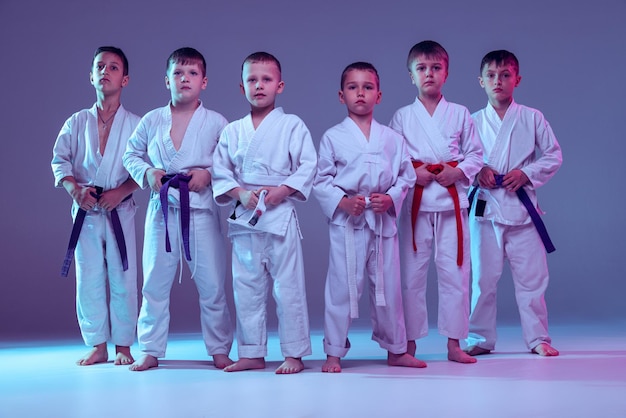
[417, 200]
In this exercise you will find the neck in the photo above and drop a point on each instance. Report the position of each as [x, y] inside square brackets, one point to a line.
[107, 104]
[430, 102]
[180, 107]
[258, 114]
[364, 122]
[501, 106]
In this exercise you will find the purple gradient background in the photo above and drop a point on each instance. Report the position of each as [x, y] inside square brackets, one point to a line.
[573, 67]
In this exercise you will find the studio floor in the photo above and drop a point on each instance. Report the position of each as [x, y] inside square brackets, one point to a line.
[588, 379]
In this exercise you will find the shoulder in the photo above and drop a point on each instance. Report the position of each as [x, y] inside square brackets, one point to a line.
[213, 115]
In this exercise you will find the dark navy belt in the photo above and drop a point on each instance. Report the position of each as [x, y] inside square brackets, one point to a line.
[180, 182]
[528, 204]
[78, 226]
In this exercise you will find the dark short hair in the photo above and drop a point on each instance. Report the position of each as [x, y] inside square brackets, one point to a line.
[429, 49]
[361, 66]
[113, 50]
[500, 57]
[261, 57]
[186, 56]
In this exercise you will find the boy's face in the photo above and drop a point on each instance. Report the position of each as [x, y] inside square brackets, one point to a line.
[107, 73]
[185, 82]
[429, 75]
[499, 82]
[360, 92]
[261, 82]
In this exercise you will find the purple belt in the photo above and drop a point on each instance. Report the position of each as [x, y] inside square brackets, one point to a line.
[180, 182]
[78, 225]
[528, 204]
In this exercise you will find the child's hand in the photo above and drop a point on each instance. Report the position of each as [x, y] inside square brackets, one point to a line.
[248, 198]
[85, 197]
[424, 177]
[449, 175]
[514, 179]
[380, 202]
[110, 199]
[153, 177]
[486, 178]
[200, 179]
[275, 195]
[352, 205]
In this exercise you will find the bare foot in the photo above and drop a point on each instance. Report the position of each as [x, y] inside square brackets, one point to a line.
[123, 356]
[145, 362]
[456, 354]
[332, 365]
[221, 360]
[411, 347]
[98, 354]
[404, 360]
[474, 350]
[545, 350]
[291, 365]
[246, 364]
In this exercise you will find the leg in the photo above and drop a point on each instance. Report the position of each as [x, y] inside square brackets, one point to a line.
[207, 264]
[414, 271]
[250, 289]
[159, 273]
[487, 256]
[453, 281]
[529, 269]
[388, 321]
[91, 292]
[286, 267]
[337, 318]
[123, 285]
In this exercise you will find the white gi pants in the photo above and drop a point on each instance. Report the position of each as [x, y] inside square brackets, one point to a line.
[522, 246]
[387, 321]
[258, 257]
[208, 267]
[434, 230]
[98, 260]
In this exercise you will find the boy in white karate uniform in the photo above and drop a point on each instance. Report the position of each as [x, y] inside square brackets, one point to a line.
[363, 174]
[267, 159]
[87, 163]
[446, 155]
[172, 152]
[521, 154]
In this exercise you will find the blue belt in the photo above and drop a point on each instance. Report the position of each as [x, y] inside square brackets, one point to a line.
[180, 182]
[78, 226]
[528, 204]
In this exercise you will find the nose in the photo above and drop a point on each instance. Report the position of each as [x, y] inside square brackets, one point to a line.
[258, 85]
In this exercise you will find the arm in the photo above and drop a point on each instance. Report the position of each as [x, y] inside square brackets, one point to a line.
[548, 152]
[136, 156]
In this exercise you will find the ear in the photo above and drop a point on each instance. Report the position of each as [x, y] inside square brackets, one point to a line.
[412, 79]
[125, 80]
[243, 90]
[91, 78]
[379, 96]
[205, 82]
[167, 82]
[281, 87]
[481, 82]
[342, 100]
[518, 80]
